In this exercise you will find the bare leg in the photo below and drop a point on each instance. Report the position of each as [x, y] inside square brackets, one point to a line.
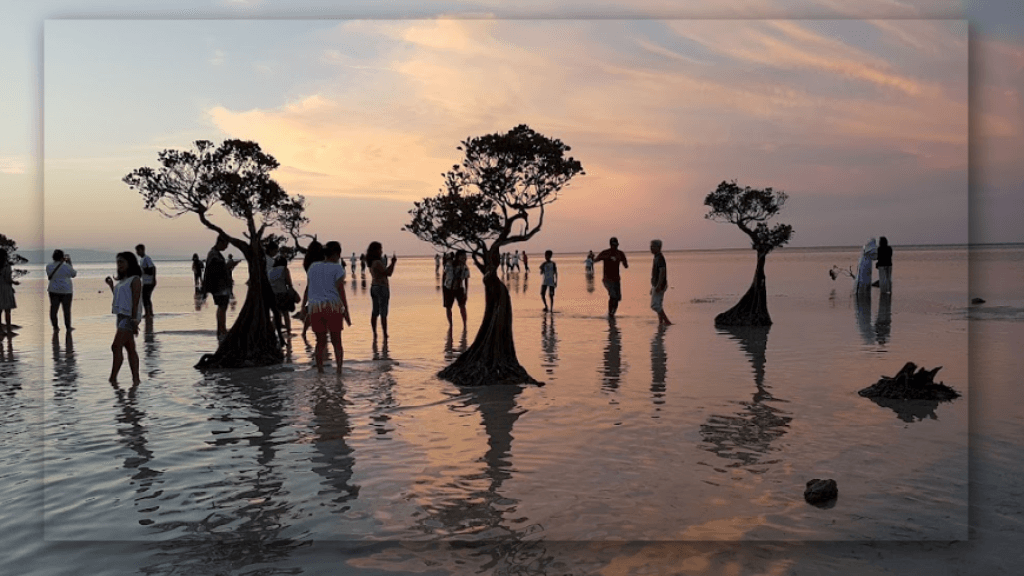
[115, 347]
[373, 324]
[133, 358]
[462, 310]
[448, 311]
[222, 320]
[339, 352]
[321, 345]
[384, 326]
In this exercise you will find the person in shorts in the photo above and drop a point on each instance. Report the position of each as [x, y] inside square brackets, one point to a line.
[126, 306]
[148, 278]
[217, 281]
[659, 283]
[328, 306]
[612, 257]
[456, 286]
[549, 272]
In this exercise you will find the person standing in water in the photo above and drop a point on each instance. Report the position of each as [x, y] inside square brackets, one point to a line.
[612, 257]
[380, 289]
[884, 265]
[549, 272]
[61, 291]
[456, 286]
[7, 284]
[127, 293]
[659, 283]
[148, 278]
[328, 306]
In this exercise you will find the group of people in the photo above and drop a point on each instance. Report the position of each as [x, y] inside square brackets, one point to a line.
[881, 254]
[612, 257]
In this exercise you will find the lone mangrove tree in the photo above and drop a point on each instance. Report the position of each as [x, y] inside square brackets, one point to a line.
[496, 197]
[750, 209]
[236, 177]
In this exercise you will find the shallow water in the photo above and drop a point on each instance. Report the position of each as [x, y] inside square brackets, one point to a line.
[639, 434]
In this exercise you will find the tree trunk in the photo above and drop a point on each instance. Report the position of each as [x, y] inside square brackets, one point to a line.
[752, 309]
[252, 340]
[491, 359]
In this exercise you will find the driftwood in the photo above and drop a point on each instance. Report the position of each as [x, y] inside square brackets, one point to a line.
[910, 385]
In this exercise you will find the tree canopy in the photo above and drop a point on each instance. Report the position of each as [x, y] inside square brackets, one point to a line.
[497, 195]
[234, 175]
[750, 209]
[10, 246]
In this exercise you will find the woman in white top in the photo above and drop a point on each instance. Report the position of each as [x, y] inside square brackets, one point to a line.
[328, 306]
[59, 273]
[127, 294]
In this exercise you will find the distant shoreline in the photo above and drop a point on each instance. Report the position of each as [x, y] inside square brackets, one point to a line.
[86, 255]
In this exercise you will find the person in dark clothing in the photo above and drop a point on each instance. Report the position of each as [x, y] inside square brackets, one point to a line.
[884, 265]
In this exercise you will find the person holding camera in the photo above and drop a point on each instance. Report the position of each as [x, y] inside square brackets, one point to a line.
[59, 274]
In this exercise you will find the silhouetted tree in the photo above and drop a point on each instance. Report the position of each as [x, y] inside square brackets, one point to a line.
[750, 209]
[236, 177]
[10, 246]
[494, 198]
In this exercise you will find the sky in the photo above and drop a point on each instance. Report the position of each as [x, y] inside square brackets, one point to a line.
[901, 119]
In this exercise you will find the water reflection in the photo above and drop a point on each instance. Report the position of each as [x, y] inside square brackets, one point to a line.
[883, 321]
[659, 367]
[10, 378]
[910, 410]
[863, 311]
[132, 435]
[481, 518]
[549, 343]
[335, 460]
[450, 351]
[611, 370]
[590, 283]
[150, 348]
[65, 367]
[747, 435]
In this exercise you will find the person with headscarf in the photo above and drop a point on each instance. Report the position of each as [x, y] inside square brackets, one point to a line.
[868, 254]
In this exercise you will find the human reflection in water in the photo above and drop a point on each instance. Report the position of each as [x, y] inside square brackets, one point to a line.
[747, 435]
[450, 351]
[612, 367]
[150, 348]
[883, 321]
[482, 518]
[65, 369]
[381, 353]
[590, 283]
[132, 435]
[659, 368]
[335, 460]
[199, 300]
[862, 307]
[549, 343]
[10, 377]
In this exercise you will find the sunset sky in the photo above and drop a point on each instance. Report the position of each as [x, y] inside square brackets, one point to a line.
[864, 123]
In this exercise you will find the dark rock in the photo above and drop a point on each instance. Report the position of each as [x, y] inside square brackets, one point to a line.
[875, 283]
[977, 300]
[910, 385]
[821, 491]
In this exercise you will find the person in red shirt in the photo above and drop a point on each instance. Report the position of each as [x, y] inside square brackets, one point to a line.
[612, 257]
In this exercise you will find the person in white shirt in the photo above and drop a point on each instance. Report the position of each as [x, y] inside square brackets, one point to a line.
[59, 273]
[127, 294]
[148, 278]
[328, 306]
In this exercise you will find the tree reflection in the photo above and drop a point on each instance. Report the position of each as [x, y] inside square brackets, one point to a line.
[481, 518]
[910, 410]
[611, 370]
[747, 435]
[549, 343]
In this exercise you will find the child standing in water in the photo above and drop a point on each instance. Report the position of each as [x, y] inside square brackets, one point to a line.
[550, 273]
[127, 294]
